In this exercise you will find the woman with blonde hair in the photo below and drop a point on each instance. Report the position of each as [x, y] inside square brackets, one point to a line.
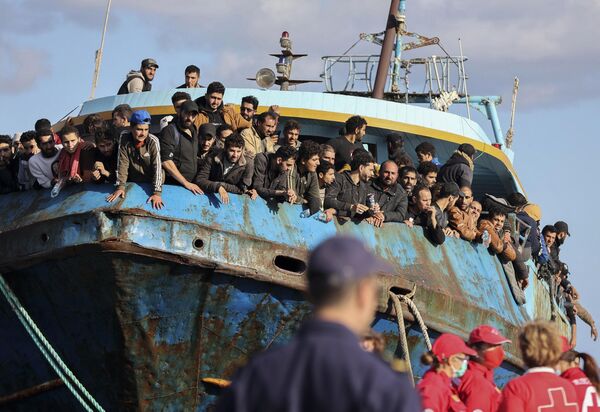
[539, 388]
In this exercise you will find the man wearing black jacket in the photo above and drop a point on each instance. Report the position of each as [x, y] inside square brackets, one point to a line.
[423, 214]
[389, 195]
[348, 194]
[227, 171]
[271, 175]
[304, 176]
[459, 168]
[179, 148]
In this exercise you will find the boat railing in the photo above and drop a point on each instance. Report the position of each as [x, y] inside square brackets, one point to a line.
[420, 79]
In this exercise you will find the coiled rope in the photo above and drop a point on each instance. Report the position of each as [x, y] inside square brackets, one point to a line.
[397, 300]
[48, 351]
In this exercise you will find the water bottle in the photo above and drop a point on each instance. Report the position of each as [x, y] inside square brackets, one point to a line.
[305, 213]
[57, 187]
[485, 237]
[321, 216]
[371, 201]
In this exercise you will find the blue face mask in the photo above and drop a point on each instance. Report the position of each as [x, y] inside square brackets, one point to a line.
[458, 373]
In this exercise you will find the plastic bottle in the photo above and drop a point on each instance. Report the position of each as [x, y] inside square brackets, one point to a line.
[485, 237]
[305, 213]
[57, 187]
[321, 216]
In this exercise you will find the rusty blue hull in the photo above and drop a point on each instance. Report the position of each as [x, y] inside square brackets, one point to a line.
[143, 304]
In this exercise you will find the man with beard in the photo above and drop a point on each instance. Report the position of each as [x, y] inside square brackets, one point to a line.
[408, 179]
[290, 135]
[179, 149]
[248, 107]
[271, 175]
[500, 238]
[192, 78]
[428, 173]
[43, 165]
[447, 198]
[105, 158]
[256, 137]
[326, 175]
[76, 159]
[354, 131]
[348, 194]
[140, 81]
[227, 171]
[212, 109]
[9, 168]
[422, 213]
[460, 218]
[305, 181]
[206, 142]
[391, 199]
[30, 148]
[139, 160]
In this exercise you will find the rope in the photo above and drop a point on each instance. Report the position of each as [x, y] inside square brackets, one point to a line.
[47, 350]
[407, 299]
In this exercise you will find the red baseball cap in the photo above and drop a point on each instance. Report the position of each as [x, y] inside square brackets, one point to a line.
[448, 344]
[487, 334]
[566, 346]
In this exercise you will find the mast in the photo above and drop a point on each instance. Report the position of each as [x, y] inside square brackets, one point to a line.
[99, 53]
[392, 33]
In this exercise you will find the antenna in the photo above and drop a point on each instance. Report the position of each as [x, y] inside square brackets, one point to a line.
[99, 53]
[462, 68]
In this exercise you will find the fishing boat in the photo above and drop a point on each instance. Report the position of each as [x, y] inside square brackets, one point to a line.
[122, 307]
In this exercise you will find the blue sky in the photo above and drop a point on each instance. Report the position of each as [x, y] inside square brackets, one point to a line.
[47, 64]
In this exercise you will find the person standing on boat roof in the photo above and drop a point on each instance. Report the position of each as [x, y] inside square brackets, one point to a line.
[43, 165]
[426, 153]
[477, 388]
[388, 195]
[258, 137]
[448, 359]
[271, 175]
[227, 171]
[348, 194]
[212, 109]
[539, 389]
[585, 379]
[179, 149]
[305, 181]
[354, 130]
[140, 80]
[192, 78]
[139, 160]
[324, 368]
[459, 168]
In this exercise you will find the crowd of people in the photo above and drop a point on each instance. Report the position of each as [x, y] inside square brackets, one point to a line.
[334, 363]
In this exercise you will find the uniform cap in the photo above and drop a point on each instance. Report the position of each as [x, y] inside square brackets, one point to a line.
[343, 260]
[448, 344]
[140, 117]
[487, 334]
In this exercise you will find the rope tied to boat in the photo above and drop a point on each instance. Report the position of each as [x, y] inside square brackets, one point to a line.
[53, 358]
[397, 300]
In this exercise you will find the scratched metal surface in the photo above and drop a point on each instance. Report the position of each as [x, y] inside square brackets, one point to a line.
[142, 310]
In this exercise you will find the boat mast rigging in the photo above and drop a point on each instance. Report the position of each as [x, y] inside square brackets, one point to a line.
[98, 59]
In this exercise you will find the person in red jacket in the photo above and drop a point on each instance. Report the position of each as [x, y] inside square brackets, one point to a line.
[477, 388]
[585, 379]
[539, 389]
[448, 359]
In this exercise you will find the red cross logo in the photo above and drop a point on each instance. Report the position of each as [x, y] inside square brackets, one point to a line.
[558, 402]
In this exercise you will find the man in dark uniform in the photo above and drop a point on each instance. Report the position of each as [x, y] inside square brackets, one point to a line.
[324, 368]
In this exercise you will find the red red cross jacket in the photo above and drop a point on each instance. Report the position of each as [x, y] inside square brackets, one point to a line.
[477, 389]
[586, 393]
[539, 390]
[438, 394]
